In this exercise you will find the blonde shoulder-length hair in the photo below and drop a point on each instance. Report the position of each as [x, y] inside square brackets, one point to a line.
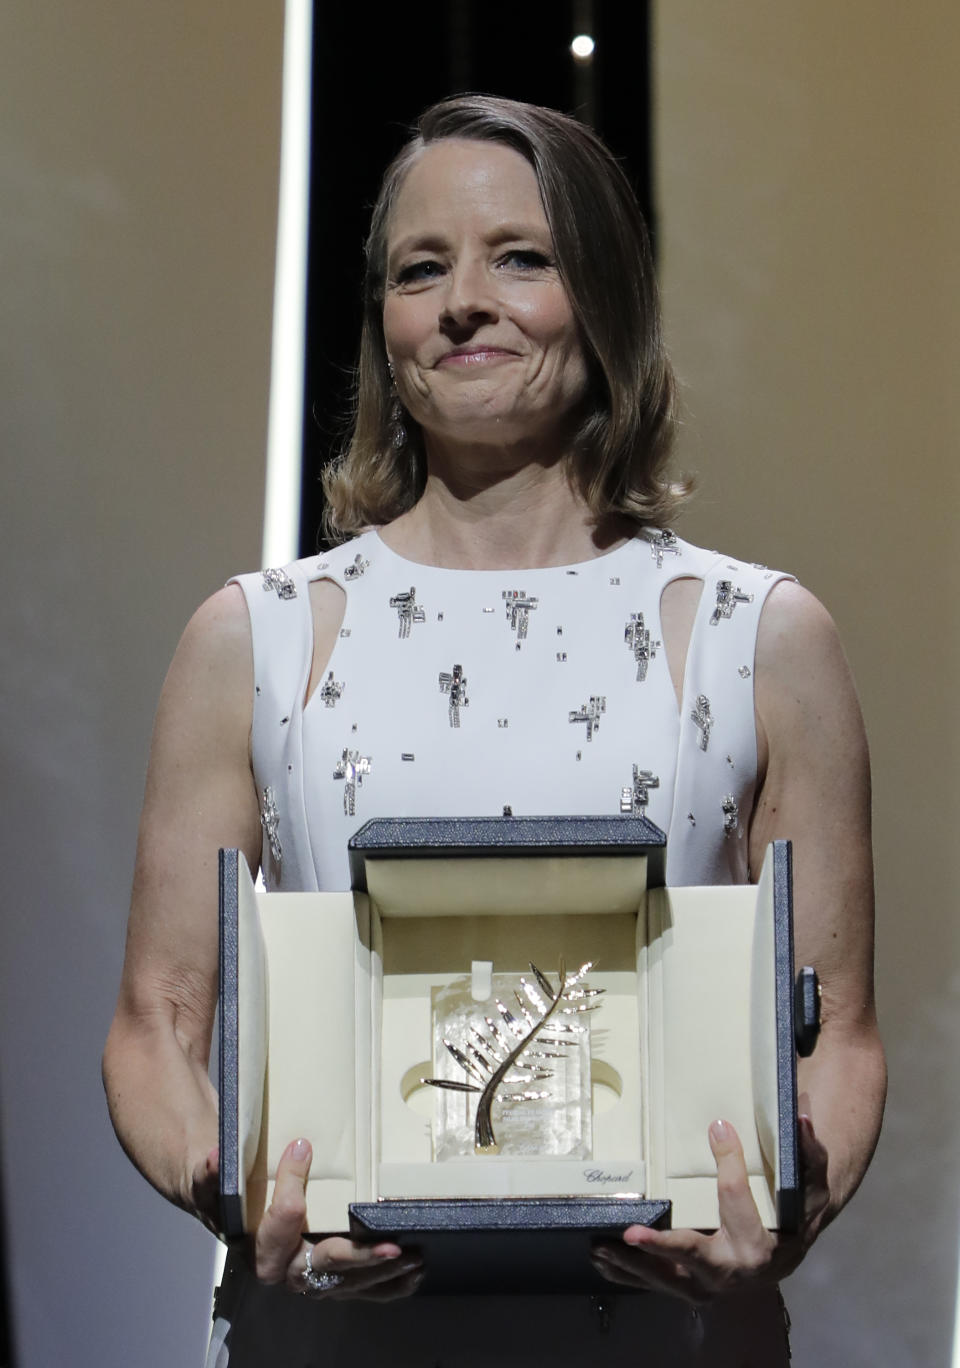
[622, 446]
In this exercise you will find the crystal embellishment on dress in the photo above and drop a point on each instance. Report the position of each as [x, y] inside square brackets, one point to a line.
[727, 600]
[704, 720]
[270, 821]
[280, 581]
[638, 640]
[354, 571]
[519, 608]
[635, 797]
[454, 683]
[590, 713]
[351, 766]
[663, 543]
[744, 672]
[331, 690]
[731, 815]
[408, 610]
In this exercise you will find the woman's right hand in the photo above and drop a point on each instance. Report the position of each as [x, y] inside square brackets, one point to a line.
[278, 1249]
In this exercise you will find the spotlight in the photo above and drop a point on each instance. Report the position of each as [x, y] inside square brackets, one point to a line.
[582, 47]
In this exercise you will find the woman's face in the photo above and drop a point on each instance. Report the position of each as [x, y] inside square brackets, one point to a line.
[477, 323]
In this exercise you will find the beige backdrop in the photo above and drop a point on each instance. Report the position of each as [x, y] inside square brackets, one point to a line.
[809, 201]
[809, 204]
[138, 182]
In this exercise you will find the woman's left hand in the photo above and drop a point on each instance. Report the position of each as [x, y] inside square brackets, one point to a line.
[739, 1256]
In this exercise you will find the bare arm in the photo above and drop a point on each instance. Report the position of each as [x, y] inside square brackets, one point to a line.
[816, 791]
[199, 796]
[813, 788]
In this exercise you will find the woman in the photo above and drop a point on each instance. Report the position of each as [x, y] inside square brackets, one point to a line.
[515, 412]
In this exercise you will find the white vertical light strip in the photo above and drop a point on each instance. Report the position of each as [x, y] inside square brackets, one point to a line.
[281, 513]
[955, 1358]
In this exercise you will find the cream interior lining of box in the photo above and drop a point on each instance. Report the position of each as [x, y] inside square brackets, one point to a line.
[353, 1019]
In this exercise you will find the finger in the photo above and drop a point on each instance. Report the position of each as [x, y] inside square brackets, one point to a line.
[394, 1289]
[739, 1216]
[205, 1189]
[628, 1268]
[814, 1166]
[338, 1254]
[354, 1275]
[279, 1234]
[682, 1245]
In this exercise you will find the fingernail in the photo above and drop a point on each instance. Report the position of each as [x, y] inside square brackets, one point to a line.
[635, 1236]
[720, 1131]
[300, 1149]
[387, 1251]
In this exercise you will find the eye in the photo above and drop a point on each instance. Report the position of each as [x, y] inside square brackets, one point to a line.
[525, 259]
[418, 272]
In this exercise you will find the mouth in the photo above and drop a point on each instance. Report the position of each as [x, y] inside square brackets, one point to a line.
[477, 355]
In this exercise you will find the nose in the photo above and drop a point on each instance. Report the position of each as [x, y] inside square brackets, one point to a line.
[469, 300]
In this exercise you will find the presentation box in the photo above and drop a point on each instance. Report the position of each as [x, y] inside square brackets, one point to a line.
[332, 1022]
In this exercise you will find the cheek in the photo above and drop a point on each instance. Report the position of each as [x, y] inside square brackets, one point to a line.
[554, 326]
[405, 332]
[400, 329]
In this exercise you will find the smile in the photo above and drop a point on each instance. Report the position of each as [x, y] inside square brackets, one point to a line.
[476, 356]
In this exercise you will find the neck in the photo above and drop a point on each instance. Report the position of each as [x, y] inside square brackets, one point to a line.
[517, 518]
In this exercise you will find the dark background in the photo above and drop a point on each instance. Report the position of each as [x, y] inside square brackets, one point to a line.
[371, 80]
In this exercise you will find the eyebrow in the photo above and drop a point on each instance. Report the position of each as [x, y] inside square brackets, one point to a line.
[436, 242]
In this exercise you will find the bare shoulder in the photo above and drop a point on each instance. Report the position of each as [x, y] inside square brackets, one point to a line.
[797, 631]
[211, 674]
[803, 679]
[219, 630]
[199, 791]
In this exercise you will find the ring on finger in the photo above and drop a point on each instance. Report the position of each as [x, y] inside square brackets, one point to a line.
[318, 1282]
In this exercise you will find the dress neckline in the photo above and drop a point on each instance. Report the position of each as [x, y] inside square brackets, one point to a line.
[607, 558]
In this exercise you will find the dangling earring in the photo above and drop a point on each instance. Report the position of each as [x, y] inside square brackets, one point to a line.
[398, 432]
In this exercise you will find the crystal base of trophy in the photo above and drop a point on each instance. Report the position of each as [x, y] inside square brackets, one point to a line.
[341, 1014]
[509, 1079]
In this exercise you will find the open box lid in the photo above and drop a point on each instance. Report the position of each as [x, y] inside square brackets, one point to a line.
[434, 838]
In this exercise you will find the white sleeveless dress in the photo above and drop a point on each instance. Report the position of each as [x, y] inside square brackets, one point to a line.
[478, 693]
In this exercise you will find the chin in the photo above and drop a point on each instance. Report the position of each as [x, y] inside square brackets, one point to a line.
[492, 427]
